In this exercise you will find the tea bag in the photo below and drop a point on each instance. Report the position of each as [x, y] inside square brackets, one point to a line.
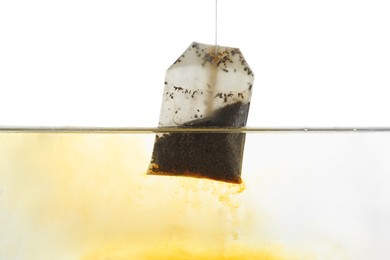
[206, 87]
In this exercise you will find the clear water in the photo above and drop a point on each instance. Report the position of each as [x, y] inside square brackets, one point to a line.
[83, 194]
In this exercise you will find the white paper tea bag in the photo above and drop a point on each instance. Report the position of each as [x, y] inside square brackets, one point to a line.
[206, 87]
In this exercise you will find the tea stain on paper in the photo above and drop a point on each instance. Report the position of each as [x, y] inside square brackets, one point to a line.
[87, 197]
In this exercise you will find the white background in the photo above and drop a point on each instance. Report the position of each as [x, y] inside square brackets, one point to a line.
[102, 63]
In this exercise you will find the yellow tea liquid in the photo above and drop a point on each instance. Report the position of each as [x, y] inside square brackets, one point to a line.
[87, 196]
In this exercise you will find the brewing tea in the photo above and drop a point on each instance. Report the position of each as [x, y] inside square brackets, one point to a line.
[204, 88]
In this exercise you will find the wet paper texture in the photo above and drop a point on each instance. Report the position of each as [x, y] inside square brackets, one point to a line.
[206, 87]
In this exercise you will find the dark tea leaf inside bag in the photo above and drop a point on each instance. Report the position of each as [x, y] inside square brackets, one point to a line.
[204, 88]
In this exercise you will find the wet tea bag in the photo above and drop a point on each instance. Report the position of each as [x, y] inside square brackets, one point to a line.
[206, 87]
